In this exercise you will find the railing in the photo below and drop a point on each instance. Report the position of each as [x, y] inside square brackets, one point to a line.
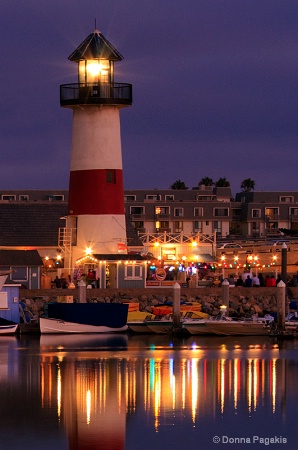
[94, 94]
[66, 238]
[176, 238]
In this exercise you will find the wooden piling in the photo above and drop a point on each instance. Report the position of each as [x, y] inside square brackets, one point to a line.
[176, 305]
[225, 295]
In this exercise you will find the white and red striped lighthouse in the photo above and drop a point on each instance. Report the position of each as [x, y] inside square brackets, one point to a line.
[96, 196]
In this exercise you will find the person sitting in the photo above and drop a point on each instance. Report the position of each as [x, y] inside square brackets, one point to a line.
[239, 281]
[273, 281]
[248, 281]
[231, 280]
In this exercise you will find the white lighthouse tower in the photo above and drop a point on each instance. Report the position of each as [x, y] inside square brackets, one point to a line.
[96, 216]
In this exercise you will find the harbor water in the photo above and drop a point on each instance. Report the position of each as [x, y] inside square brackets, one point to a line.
[144, 392]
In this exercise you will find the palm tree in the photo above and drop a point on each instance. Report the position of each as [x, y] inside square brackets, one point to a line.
[222, 182]
[206, 181]
[179, 185]
[247, 185]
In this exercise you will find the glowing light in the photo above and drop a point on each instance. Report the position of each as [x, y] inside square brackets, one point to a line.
[94, 68]
[88, 406]
[88, 251]
[59, 392]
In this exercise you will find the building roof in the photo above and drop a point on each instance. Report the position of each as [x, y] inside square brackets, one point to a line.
[119, 257]
[20, 258]
[95, 46]
[31, 225]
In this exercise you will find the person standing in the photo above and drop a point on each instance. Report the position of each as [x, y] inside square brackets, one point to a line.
[255, 281]
[261, 279]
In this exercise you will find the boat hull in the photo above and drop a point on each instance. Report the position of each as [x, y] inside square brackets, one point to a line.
[227, 328]
[78, 318]
[139, 327]
[55, 326]
[8, 329]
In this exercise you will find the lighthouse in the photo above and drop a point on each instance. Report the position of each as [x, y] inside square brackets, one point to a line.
[96, 217]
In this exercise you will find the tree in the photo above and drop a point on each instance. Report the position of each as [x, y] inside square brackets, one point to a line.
[222, 182]
[206, 181]
[247, 185]
[179, 185]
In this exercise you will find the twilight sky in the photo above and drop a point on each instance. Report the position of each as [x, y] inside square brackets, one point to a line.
[215, 89]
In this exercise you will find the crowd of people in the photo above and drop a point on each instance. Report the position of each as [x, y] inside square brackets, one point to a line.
[254, 280]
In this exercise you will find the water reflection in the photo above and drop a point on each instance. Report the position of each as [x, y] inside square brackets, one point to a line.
[120, 392]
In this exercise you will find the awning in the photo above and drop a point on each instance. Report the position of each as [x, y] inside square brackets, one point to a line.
[205, 257]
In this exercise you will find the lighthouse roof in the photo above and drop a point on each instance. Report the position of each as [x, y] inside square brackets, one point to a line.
[95, 46]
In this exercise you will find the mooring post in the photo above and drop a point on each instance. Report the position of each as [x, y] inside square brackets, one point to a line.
[225, 295]
[82, 292]
[281, 305]
[176, 305]
[284, 255]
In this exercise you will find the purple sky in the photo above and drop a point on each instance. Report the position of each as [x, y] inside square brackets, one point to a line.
[215, 89]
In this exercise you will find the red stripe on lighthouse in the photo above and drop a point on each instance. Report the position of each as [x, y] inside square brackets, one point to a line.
[97, 191]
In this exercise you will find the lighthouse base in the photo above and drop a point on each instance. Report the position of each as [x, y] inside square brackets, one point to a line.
[104, 234]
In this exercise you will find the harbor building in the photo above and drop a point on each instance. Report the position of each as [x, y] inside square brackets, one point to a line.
[35, 220]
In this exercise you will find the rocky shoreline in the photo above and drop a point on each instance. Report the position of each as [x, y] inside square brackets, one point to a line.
[243, 302]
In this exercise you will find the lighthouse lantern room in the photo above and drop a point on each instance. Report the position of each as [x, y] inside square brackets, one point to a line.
[96, 216]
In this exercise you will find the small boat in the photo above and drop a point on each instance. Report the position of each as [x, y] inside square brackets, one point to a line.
[158, 324]
[78, 318]
[137, 321]
[184, 308]
[226, 326]
[8, 327]
[291, 322]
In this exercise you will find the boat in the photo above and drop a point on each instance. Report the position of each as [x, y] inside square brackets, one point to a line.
[143, 322]
[8, 327]
[75, 318]
[184, 307]
[137, 321]
[291, 322]
[226, 326]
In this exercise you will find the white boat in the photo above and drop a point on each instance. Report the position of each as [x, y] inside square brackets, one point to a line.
[84, 318]
[291, 322]
[7, 327]
[54, 326]
[229, 327]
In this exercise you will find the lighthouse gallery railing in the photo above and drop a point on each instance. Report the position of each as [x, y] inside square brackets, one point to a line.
[93, 94]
